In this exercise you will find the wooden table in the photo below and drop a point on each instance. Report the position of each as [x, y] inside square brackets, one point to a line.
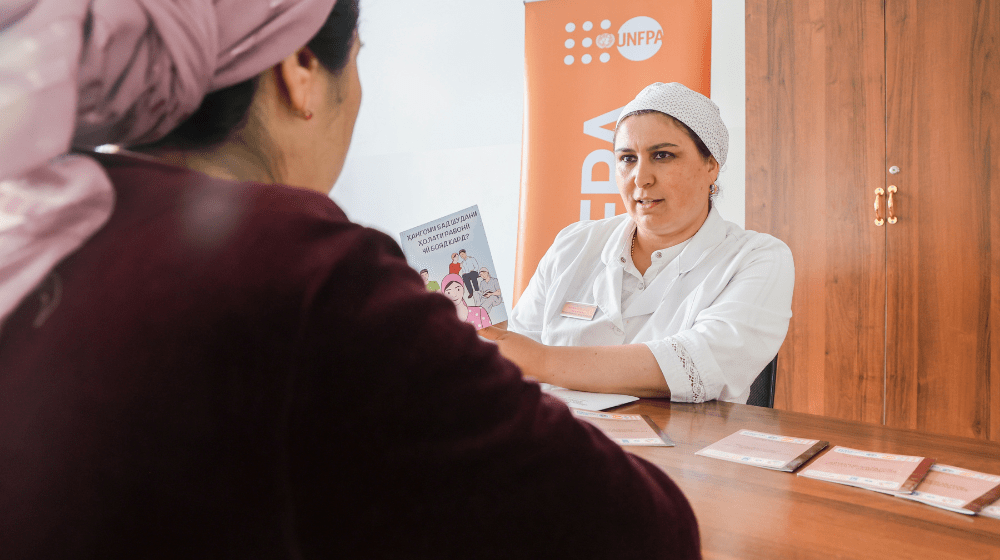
[747, 512]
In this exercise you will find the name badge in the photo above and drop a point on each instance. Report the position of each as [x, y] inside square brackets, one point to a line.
[575, 310]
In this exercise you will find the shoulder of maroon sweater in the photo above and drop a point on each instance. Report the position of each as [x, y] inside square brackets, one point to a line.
[195, 273]
[251, 233]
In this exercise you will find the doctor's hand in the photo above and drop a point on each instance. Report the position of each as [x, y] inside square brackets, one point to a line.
[629, 369]
[526, 354]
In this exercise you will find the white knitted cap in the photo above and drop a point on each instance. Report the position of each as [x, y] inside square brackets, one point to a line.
[695, 110]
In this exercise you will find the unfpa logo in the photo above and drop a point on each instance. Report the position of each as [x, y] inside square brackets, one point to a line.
[638, 39]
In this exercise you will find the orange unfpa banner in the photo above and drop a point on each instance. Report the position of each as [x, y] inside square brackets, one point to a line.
[584, 60]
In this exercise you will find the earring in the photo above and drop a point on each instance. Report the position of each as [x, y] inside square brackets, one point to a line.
[713, 189]
[306, 114]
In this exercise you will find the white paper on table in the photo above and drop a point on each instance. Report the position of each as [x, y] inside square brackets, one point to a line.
[587, 401]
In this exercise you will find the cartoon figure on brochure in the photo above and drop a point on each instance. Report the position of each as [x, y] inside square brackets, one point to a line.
[431, 285]
[472, 314]
[489, 290]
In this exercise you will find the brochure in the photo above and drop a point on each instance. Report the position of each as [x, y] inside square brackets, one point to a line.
[882, 472]
[453, 258]
[957, 489]
[587, 401]
[769, 451]
[626, 429]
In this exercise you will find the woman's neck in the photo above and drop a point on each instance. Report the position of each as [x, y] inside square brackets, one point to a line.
[644, 244]
[232, 161]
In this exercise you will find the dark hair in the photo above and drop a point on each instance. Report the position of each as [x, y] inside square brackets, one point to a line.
[702, 148]
[424, 270]
[225, 111]
[333, 42]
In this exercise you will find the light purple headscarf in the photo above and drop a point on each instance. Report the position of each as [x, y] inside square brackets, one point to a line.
[91, 72]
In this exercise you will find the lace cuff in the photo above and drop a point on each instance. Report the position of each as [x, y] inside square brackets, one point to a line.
[679, 370]
[687, 364]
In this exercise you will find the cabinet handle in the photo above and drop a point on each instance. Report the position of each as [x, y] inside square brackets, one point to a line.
[888, 204]
[879, 192]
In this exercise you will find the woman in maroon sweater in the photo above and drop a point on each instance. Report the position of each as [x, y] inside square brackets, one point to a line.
[227, 367]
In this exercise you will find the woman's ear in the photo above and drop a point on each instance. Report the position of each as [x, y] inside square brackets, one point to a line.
[296, 76]
[713, 168]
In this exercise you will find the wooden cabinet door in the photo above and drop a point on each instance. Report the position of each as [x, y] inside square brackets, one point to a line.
[815, 154]
[898, 324]
[943, 254]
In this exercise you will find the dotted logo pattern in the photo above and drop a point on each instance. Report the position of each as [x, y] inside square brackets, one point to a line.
[602, 41]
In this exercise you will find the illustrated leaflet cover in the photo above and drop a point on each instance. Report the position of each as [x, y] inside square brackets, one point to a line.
[626, 429]
[883, 472]
[453, 258]
[769, 451]
[957, 489]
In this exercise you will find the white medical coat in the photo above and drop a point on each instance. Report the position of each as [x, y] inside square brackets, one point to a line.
[713, 317]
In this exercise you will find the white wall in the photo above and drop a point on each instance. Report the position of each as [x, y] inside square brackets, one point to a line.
[440, 122]
[729, 70]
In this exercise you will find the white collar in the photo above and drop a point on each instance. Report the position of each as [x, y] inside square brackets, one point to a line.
[709, 235]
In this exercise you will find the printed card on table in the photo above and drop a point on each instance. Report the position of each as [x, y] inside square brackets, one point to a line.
[626, 429]
[453, 258]
[769, 451]
[957, 489]
[585, 400]
[883, 472]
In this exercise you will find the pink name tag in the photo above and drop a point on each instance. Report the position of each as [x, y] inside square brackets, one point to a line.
[576, 310]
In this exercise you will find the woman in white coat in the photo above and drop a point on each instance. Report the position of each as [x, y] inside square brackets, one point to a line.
[684, 304]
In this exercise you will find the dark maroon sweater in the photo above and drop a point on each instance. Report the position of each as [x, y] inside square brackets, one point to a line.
[237, 371]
